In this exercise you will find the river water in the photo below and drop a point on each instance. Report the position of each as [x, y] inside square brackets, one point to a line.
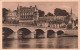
[57, 43]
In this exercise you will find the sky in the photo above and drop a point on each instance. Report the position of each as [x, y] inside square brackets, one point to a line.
[45, 6]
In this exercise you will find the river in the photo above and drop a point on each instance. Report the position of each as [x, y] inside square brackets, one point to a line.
[45, 43]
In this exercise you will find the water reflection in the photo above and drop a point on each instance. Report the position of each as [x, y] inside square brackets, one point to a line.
[7, 43]
[63, 42]
[24, 46]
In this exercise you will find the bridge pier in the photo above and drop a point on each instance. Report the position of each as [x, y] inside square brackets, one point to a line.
[32, 35]
[55, 35]
[45, 34]
[15, 35]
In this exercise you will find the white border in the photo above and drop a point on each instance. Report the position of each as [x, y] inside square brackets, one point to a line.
[38, 1]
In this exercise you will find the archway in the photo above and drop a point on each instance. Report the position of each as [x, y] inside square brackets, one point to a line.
[39, 33]
[50, 33]
[6, 32]
[24, 33]
[60, 32]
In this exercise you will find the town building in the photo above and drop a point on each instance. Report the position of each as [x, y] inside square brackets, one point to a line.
[11, 17]
[51, 21]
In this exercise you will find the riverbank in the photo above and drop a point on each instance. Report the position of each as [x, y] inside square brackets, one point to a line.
[67, 35]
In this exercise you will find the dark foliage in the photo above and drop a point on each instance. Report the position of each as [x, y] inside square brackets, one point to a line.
[4, 13]
[41, 13]
[60, 12]
[49, 14]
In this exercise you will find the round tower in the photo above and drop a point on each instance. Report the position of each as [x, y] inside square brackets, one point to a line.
[18, 11]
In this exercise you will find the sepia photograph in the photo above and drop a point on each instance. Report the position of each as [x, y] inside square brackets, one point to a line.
[40, 25]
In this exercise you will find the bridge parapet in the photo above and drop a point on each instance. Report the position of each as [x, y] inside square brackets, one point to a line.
[32, 29]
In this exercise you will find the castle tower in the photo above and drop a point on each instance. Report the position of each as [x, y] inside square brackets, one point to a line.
[18, 11]
[71, 11]
[36, 13]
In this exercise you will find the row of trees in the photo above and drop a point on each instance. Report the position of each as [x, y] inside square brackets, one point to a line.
[57, 12]
[4, 13]
[42, 13]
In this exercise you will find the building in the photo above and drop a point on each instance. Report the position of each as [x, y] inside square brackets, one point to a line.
[27, 15]
[72, 20]
[51, 21]
[11, 17]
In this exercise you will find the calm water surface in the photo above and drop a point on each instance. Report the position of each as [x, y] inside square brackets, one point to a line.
[63, 42]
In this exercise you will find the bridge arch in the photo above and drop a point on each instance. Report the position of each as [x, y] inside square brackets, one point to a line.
[60, 32]
[6, 32]
[50, 33]
[24, 33]
[39, 33]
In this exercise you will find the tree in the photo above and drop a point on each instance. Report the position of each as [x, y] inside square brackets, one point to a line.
[41, 13]
[49, 14]
[60, 12]
[4, 13]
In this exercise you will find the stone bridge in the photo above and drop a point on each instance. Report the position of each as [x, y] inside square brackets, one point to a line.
[33, 32]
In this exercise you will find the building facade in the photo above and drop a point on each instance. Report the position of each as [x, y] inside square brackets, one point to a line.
[51, 21]
[11, 17]
[27, 15]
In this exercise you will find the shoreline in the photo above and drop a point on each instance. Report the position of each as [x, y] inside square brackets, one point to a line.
[67, 35]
